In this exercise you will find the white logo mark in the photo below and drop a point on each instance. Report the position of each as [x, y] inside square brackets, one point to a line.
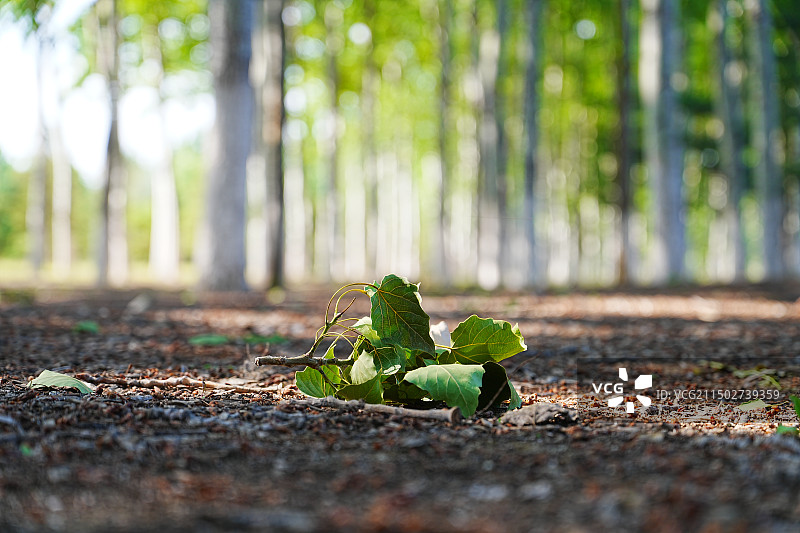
[645, 381]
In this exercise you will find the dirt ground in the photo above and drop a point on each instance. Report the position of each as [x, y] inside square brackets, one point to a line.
[142, 456]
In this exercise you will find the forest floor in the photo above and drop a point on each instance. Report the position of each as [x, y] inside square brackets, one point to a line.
[145, 452]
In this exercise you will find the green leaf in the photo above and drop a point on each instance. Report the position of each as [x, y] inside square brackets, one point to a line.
[331, 371]
[750, 406]
[311, 383]
[397, 315]
[404, 392]
[480, 340]
[445, 357]
[49, 378]
[370, 391]
[389, 360]
[364, 326]
[87, 326]
[208, 339]
[796, 403]
[516, 401]
[363, 369]
[786, 430]
[254, 338]
[494, 388]
[456, 385]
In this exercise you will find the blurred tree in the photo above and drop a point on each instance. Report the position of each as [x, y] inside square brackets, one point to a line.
[729, 109]
[624, 149]
[37, 15]
[490, 233]
[660, 77]
[112, 259]
[222, 262]
[533, 71]
[442, 268]
[268, 66]
[766, 135]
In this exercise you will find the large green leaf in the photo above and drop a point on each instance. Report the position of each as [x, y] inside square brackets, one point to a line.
[370, 391]
[364, 369]
[364, 326]
[48, 378]
[480, 340]
[331, 371]
[404, 392]
[311, 382]
[397, 314]
[389, 359]
[457, 385]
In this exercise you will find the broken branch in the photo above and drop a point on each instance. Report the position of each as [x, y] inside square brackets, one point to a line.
[185, 381]
[300, 360]
[451, 416]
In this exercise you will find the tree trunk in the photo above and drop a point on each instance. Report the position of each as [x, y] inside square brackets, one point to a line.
[765, 135]
[164, 257]
[660, 59]
[61, 227]
[488, 201]
[443, 257]
[533, 69]
[504, 236]
[269, 64]
[672, 144]
[113, 251]
[333, 197]
[370, 86]
[624, 138]
[223, 265]
[35, 215]
[729, 106]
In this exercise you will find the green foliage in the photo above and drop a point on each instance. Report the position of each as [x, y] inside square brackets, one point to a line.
[87, 326]
[786, 429]
[12, 212]
[479, 340]
[395, 360]
[49, 378]
[208, 339]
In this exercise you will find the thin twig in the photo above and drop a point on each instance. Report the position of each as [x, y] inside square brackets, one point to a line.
[451, 416]
[185, 381]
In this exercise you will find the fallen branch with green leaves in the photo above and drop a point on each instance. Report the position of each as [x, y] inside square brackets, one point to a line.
[397, 358]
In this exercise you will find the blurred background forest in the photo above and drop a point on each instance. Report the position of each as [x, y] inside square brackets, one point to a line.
[507, 143]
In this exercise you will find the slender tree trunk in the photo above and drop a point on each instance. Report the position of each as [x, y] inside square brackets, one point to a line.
[328, 227]
[442, 269]
[504, 236]
[624, 138]
[658, 68]
[61, 228]
[269, 57]
[732, 144]
[765, 135]
[223, 266]
[113, 251]
[672, 144]
[370, 86]
[37, 187]
[164, 257]
[534, 10]
[488, 201]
